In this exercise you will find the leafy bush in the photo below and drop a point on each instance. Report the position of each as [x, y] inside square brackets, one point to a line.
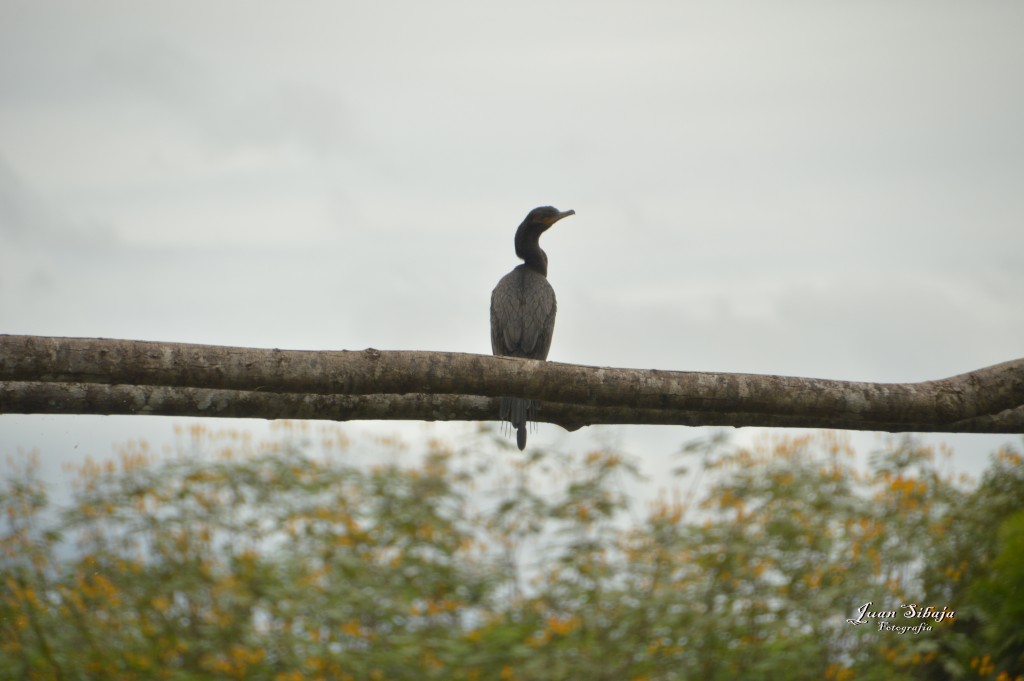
[272, 562]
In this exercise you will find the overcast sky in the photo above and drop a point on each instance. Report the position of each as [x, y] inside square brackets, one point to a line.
[805, 188]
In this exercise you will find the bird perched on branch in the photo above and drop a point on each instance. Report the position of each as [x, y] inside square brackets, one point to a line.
[523, 311]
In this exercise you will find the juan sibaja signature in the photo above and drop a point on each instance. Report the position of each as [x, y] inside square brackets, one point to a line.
[911, 610]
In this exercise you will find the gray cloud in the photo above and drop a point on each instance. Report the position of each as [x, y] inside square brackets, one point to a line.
[227, 111]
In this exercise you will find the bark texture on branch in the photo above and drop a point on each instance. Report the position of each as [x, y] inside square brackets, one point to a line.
[203, 380]
[146, 400]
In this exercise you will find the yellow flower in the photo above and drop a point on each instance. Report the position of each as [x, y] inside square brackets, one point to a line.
[562, 627]
[352, 628]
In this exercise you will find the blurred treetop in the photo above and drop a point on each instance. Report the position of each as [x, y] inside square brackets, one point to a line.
[291, 560]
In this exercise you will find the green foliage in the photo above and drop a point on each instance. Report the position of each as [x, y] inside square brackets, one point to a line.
[270, 562]
[979, 567]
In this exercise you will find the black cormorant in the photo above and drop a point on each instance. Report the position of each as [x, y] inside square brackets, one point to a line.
[523, 311]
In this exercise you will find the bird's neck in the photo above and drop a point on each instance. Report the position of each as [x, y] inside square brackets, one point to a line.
[534, 258]
[528, 248]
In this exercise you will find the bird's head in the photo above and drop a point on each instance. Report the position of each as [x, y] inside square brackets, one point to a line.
[545, 216]
[536, 223]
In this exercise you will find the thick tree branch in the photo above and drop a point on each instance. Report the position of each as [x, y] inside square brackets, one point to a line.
[397, 385]
[147, 400]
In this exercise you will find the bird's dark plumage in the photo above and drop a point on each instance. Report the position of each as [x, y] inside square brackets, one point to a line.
[523, 311]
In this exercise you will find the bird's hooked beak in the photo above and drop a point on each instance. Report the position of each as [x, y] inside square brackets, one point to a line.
[561, 215]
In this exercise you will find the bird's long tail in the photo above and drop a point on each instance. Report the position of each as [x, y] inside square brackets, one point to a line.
[519, 412]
